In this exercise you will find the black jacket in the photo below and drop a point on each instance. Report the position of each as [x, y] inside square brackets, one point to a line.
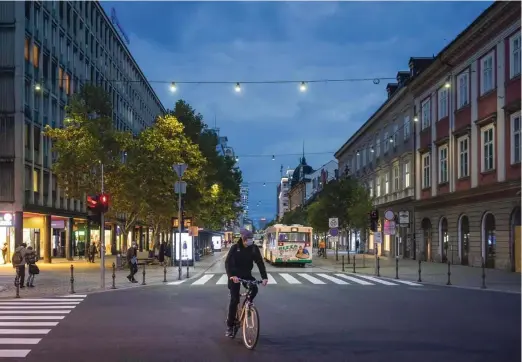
[240, 261]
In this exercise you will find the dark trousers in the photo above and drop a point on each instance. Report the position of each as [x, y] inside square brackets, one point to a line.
[133, 270]
[20, 278]
[235, 290]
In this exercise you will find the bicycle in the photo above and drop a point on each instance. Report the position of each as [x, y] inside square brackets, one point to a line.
[249, 311]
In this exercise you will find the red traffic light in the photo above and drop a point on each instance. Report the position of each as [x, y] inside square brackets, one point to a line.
[104, 199]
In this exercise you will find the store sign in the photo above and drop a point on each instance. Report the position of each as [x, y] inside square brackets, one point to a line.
[6, 220]
[58, 224]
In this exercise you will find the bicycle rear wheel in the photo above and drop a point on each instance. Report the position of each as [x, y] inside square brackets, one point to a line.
[251, 327]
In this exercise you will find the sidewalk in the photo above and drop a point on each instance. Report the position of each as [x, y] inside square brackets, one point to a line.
[431, 273]
[55, 279]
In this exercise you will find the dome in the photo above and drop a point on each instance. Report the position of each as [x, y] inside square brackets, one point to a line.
[301, 171]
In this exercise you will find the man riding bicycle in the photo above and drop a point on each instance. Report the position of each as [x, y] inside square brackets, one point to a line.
[239, 264]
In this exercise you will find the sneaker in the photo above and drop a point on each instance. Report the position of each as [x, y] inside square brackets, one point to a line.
[229, 332]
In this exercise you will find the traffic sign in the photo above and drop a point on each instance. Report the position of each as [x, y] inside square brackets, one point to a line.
[333, 222]
[377, 237]
[334, 232]
[389, 227]
[389, 215]
[180, 187]
[180, 169]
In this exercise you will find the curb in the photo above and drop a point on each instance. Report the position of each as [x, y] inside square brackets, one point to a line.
[124, 288]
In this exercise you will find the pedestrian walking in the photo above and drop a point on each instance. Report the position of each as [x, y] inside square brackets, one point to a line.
[132, 260]
[31, 259]
[19, 262]
[4, 253]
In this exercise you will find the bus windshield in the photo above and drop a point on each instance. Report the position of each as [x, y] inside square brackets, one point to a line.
[293, 236]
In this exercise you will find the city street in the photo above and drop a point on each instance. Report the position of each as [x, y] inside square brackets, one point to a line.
[299, 322]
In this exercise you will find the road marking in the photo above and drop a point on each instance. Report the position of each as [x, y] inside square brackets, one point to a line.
[333, 279]
[40, 307]
[14, 353]
[28, 324]
[20, 340]
[43, 300]
[311, 279]
[375, 280]
[271, 279]
[290, 279]
[30, 317]
[39, 303]
[74, 296]
[355, 280]
[178, 282]
[223, 279]
[408, 283]
[203, 279]
[35, 312]
[24, 331]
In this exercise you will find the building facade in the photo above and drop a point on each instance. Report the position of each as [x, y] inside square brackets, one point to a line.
[283, 201]
[468, 154]
[381, 154]
[320, 177]
[300, 177]
[49, 50]
[244, 191]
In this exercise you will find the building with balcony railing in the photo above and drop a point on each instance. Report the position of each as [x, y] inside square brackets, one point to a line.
[49, 50]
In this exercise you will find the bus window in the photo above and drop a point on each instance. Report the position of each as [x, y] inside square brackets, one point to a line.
[293, 236]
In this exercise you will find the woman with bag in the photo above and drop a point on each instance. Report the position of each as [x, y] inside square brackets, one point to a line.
[31, 259]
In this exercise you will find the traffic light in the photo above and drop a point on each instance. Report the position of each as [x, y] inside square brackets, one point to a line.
[104, 203]
[374, 218]
[98, 204]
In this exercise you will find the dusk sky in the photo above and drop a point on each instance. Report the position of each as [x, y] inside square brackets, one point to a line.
[264, 41]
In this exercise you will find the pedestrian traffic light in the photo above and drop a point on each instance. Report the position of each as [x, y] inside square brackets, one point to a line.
[104, 203]
[374, 218]
[98, 204]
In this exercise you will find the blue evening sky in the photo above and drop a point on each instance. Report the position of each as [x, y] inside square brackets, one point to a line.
[260, 41]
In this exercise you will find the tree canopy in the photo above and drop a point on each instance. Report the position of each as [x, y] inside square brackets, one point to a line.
[138, 168]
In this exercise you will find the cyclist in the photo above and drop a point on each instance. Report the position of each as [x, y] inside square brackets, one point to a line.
[239, 264]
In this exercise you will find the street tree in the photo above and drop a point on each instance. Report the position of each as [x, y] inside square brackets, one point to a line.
[296, 216]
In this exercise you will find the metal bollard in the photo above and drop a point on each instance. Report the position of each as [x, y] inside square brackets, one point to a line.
[179, 270]
[354, 263]
[483, 286]
[449, 273]
[342, 260]
[188, 269]
[143, 282]
[419, 280]
[113, 276]
[72, 280]
[165, 273]
[396, 267]
[17, 282]
[378, 267]
[364, 261]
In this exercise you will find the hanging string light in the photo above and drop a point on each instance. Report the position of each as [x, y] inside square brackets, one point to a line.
[173, 87]
[302, 87]
[238, 88]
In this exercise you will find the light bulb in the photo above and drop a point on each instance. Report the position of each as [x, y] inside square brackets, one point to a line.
[371, 150]
[238, 87]
[173, 87]
[447, 84]
[302, 87]
[391, 139]
[415, 119]
[273, 157]
[37, 87]
[264, 184]
[358, 153]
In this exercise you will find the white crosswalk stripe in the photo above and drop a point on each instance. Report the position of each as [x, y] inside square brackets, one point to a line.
[341, 279]
[26, 321]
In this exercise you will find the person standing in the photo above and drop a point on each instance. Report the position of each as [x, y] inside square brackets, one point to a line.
[4, 253]
[19, 262]
[31, 259]
[132, 260]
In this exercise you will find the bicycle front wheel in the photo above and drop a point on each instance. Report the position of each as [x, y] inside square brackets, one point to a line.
[251, 327]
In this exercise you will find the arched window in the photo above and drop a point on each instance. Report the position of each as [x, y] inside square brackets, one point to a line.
[426, 236]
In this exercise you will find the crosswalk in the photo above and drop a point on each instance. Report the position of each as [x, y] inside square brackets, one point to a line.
[24, 322]
[303, 278]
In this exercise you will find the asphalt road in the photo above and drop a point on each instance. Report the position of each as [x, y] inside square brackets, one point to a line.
[299, 322]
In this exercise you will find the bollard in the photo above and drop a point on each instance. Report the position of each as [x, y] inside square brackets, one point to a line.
[342, 260]
[165, 273]
[187, 269]
[378, 267]
[354, 263]
[449, 273]
[113, 276]
[17, 282]
[179, 270]
[396, 267]
[143, 282]
[364, 261]
[483, 286]
[72, 280]
[419, 280]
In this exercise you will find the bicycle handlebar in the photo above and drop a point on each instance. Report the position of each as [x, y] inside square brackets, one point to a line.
[251, 282]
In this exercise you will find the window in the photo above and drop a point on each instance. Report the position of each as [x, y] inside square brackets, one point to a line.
[514, 58]
[378, 186]
[463, 149]
[386, 183]
[515, 137]
[60, 77]
[463, 89]
[370, 188]
[377, 146]
[26, 49]
[426, 179]
[396, 184]
[386, 142]
[407, 175]
[363, 155]
[488, 149]
[36, 55]
[426, 114]
[443, 103]
[395, 135]
[406, 127]
[36, 181]
[443, 164]
[370, 153]
[487, 75]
